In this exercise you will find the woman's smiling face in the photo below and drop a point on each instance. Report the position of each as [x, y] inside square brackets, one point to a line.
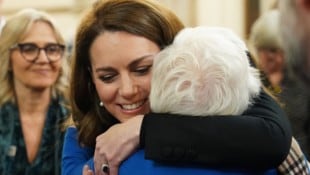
[42, 73]
[121, 66]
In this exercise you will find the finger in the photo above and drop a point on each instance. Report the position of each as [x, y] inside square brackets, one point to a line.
[98, 169]
[105, 168]
[103, 171]
[87, 171]
[113, 170]
[101, 165]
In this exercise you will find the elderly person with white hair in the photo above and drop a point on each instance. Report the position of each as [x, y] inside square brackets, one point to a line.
[206, 71]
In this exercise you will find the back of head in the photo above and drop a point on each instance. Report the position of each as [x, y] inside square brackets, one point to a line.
[13, 32]
[205, 71]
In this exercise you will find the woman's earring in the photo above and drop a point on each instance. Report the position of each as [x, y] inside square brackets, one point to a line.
[101, 104]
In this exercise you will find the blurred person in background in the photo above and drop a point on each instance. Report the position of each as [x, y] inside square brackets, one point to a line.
[295, 30]
[33, 83]
[267, 47]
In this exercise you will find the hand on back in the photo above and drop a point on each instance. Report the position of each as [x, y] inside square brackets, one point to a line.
[116, 144]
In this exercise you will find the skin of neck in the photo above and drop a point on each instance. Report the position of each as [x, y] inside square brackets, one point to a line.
[31, 100]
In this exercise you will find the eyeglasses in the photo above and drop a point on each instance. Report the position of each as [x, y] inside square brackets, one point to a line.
[31, 51]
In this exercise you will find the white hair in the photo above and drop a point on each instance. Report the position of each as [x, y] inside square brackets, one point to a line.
[205, 71]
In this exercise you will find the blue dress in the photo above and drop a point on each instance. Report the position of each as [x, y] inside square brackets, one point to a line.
[75, 157]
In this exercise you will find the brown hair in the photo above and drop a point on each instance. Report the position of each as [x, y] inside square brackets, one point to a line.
[144, 18]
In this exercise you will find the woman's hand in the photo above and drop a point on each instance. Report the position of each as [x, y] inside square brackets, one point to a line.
[87, 171]
[116, 144]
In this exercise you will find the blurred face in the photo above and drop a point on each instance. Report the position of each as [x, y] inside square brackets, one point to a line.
[121, 69]
[40, 73]
[271, 60]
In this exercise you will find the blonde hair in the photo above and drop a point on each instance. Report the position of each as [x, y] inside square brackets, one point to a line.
[265, 32]
[206, 71]
[14, 30]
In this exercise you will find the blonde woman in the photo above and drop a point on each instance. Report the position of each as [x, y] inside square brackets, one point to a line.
[33, 82]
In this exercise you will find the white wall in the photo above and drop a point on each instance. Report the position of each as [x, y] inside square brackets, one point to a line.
[227, 13]
[65, 12]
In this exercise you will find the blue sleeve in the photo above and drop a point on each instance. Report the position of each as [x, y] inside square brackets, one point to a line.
[74, 156]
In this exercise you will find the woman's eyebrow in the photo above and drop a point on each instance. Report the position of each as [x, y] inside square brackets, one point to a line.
[138, 60]
[132, 64]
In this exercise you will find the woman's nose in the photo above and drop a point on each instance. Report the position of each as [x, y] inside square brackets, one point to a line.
[42, 57]
[128, 87]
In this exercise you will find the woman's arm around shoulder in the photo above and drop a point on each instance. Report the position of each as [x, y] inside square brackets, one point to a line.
[259, 138]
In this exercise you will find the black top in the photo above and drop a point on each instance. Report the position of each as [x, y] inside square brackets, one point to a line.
[259, 138]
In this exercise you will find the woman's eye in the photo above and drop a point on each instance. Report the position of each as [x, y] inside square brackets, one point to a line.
[143, 70]
[106, 78]
[29, 48]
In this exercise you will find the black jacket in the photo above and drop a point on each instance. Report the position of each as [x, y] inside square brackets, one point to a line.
[259, 138]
